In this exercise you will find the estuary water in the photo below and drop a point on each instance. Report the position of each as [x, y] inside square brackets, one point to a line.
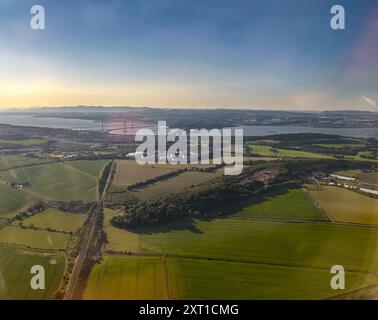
[61, 123]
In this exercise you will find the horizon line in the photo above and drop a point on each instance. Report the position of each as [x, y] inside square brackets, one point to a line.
[305, 110]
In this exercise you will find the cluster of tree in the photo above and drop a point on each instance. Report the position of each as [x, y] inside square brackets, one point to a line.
[49, 229]
[297, 170]
[75, 206]
[207, 202]
[119, 197]
[146, 182]
[99, 235]
[197, 204]
[104, 177]
[113, 171]
[372, 155]
[318, 143]
[35, 208]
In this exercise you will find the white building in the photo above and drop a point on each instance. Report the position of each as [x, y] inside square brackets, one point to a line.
[369, 191]
[342, 177]
[132, 155]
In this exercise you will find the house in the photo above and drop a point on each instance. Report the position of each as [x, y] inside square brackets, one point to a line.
[20, 186]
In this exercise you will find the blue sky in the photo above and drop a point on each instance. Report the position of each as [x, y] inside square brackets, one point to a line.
[189, 53]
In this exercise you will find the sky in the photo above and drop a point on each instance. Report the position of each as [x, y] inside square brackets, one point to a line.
[269, 54]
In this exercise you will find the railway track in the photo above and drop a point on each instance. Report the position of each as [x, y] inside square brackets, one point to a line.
[84, 253]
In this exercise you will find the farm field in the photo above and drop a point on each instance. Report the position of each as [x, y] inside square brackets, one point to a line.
[368, 180]
[129, 171]
[361, 156]
[126, 278]
[12, 161]
[56, 181]
[247, 257]
[55, 219]
[15, 265]
[266, 151]
[205, 279]
[119, 240]
[12, 200]
[27, 142]
[347, 206]
[291, 204]
[293, 244]
[349, 173]
[267, 141]
[176, 184]
[90, 167]
[2, 222]
[368, 177]
[38, 239]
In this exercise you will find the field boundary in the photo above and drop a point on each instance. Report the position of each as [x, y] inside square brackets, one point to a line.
[172, 255]
[29, 165]
[165, 276]
[78, 170]
[310, 198]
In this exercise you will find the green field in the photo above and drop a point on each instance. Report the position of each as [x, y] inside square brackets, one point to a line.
[347, 206]
[183, 181]
[12, 200]
[267, 151]
[119, 240]
[58, 181]
[2, 222]
[246, 259]
[360, 157]
[123, 278]
[39, 239]
[288, 205]
[299, 244]
[15, 276]
[55, 219]
[205, 279]
[13, 161]
[91, 168]
[129, 171]
[337, 145]
[26, 143]
[266, 142]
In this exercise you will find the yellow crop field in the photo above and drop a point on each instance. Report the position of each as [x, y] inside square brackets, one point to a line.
[347, 206]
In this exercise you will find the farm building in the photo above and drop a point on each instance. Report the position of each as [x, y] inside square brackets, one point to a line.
[20, 186]
[342, 177]
[370, 191]
[132, 155]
